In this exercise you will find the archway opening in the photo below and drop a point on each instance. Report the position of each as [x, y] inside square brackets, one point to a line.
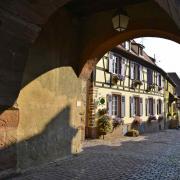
[136, 84]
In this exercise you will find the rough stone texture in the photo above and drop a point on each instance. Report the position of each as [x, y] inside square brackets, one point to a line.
[52, 105]
[9, 120]
[23, 21]
[150, 157]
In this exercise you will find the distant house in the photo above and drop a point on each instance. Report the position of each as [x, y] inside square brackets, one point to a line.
[130, 86]
[176, 79]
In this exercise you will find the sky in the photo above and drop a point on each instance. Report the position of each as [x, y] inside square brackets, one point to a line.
[166, 52]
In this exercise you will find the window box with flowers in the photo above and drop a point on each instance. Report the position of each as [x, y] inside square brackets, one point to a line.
[150, 87]
[151, 118]
[135, 83]
[137, 120]
[117, 122]
[115, 79]
[159, 88]
[169, 116]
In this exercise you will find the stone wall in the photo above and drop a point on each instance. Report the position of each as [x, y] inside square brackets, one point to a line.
[52, 105]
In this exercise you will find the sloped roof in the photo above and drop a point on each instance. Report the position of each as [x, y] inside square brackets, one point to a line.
[145, 60]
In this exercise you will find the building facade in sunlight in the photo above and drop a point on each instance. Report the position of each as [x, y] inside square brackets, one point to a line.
[173, 102]
[128, 85]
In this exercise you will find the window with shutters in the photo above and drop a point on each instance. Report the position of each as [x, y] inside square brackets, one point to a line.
[150, 106]
[117, 105]
[149, 77]
[115, 65]
[159, 106]
[136, 71]
[136, 106]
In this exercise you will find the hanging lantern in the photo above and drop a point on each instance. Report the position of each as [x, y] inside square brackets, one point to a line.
[120, 21]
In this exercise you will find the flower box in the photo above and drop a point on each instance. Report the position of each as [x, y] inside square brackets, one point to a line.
[117, 122]
[152, 118]
[137, 120]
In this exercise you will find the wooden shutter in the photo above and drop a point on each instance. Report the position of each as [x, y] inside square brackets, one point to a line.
[109, 104]
[118, 62]
[132, 70]
[111, 59]
[132, 107]
[154, 107]
[162, 107]
[123, 67]
[162, 82]
[123, 105]
[158, 79]
[147, 107]
[149, 76]
[140, 73]
[158, 107]
[141, 106]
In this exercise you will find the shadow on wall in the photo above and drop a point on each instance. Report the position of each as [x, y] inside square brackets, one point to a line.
[52, 143]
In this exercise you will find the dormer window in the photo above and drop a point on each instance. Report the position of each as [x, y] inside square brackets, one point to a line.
[140, 51]
[127, 45]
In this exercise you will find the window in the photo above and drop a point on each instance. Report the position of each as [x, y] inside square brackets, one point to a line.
[127, 45]
[159, 79]
[117, 65]
[136, 106]
[113, 63]
[136, 71]
[116, 105]
[159, 106]
[150, 106]
[140, 51]
[149, 76]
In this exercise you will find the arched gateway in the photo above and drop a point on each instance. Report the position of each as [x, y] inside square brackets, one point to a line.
[48, 50]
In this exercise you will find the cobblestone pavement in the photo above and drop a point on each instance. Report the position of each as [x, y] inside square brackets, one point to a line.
[150, 157]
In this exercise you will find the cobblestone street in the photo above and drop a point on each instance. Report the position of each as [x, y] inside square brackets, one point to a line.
[152, 157]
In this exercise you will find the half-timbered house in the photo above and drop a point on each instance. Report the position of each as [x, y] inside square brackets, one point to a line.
[130, 86]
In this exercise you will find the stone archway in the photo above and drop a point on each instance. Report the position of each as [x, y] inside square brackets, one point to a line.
[93, 55]
[53, 44]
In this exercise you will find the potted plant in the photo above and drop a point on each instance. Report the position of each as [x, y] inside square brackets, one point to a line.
[135, 83]
[174, 115]
[169, 116]
[159, 88]
[104, 125]
[132, 133]
[121, 77]
[117, 122]
[101, 112]
[152, 118]
[137, 120]
[150, 87]
[115, 79]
